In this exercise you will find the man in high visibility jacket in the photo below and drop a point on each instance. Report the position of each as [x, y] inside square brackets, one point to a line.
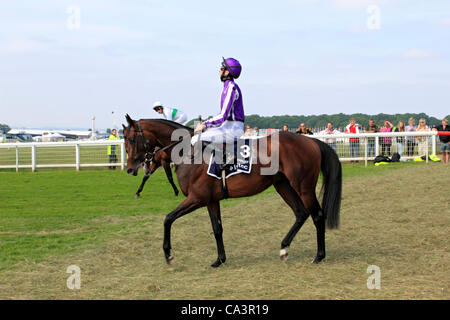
[112, 149]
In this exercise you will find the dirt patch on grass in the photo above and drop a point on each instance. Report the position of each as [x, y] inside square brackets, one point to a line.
[398, 221]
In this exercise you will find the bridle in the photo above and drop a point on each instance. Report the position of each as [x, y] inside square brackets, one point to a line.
[143, 137]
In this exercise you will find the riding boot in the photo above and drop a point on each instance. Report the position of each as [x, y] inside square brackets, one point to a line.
[228, 158]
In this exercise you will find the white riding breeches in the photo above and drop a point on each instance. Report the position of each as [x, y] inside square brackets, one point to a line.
[225, 133]
[181, 119]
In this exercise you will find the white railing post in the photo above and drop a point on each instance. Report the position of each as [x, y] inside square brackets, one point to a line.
[17, 158]
[77, 156]
[33, 158]
[433, 144]
[377, 146]
[426, 146]
[122, 155]
[365, 151]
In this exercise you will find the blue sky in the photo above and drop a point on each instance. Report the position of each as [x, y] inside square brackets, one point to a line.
[298, 56]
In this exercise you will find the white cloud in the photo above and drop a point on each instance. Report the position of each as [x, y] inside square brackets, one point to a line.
[22, 46]
[417, 54]
[445, 22]
[357, 4]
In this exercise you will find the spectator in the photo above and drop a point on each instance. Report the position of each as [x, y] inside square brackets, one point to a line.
[422, 141]
[353, 128]
[410, 141]
[286, 128]
[112, 149]
[248, 131]
[386, 142]
[444, 140]
[400, 140]
[371, 128]
[256, 132]
[330, 130]
[302, 129]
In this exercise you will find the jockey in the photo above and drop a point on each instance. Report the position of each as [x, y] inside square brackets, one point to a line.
[229, 123]
[171, 114]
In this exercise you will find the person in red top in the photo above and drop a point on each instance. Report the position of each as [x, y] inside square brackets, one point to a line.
[353, 128]
[445, 140]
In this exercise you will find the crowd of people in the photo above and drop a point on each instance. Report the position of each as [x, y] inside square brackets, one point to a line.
[405, 144]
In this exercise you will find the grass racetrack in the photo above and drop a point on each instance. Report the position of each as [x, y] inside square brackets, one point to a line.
[395, 217]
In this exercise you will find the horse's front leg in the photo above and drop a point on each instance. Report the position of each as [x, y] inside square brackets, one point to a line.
[168, 170]
[187, 206]
[141, 187]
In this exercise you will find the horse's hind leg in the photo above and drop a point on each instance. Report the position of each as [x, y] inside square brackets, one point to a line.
[318, 217]
[291, 197]
[216, 221]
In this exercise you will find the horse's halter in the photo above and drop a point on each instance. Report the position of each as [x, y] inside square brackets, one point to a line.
[144, 140]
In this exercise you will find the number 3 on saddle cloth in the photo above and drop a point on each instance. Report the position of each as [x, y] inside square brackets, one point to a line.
[240, 161]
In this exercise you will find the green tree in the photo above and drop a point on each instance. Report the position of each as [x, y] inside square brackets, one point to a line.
[4, 127]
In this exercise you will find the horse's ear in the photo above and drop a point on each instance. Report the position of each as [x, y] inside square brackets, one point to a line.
[129, 120]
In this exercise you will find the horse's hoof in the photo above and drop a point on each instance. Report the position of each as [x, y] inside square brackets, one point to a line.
[217, 263]
[284, 255]
[137, 195]
[169, 260]
[317, 260]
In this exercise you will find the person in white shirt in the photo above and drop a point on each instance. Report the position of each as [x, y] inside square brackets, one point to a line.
[330, 130]
[171, 114]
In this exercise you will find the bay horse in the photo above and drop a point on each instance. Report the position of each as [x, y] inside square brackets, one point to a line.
[153, 163]
[301, 159]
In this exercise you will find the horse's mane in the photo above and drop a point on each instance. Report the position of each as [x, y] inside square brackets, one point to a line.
[173, 124]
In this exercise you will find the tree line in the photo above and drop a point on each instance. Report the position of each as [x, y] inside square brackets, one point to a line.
[339, 120]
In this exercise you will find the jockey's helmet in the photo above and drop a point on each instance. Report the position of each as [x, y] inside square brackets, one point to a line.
[233, 66]
[157, 105]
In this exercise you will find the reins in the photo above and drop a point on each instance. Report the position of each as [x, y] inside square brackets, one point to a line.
[154, 153]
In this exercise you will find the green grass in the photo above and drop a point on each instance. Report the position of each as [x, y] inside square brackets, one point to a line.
[52, 219]
[59, 211]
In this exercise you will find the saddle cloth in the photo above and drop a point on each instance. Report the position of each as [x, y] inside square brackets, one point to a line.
[242, 162]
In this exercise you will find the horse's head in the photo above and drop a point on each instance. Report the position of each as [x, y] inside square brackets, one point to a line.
[135, 145]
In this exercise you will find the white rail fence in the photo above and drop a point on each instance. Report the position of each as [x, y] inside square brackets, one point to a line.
[75, 154]
[366, 146]
[80, 154]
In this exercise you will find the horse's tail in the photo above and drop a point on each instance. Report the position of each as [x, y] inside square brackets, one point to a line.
[332, 184]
